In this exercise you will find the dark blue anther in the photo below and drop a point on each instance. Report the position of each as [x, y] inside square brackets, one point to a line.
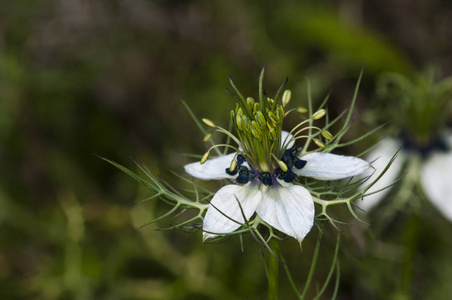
[289, 176]
[244, 175]
[287, 159]
[299, 163]
[232, 173]
[266, 178]
[291, 160]
[240, 159]
[292, 152]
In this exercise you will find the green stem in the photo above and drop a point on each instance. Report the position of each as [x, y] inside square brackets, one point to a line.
[273, 270]
[289, 277]
[313, 264]
[411, 243]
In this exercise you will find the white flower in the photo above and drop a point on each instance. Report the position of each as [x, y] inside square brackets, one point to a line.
[434, 172]
[277, 201]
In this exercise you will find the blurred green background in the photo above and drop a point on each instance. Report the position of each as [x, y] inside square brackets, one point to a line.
[79, 77]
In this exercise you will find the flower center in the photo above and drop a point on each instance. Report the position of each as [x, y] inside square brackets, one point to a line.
[258, 128]
[247, 174]
[425, 148]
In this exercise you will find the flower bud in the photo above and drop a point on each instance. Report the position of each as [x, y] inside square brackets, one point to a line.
[245, 122]
[326, 134]
[256, 126]
[207, 137]
[233, 165]
[280, 113]
[319, 143]
[286, 97]
[256, 107]
[255, 133]
[233, 117]
[239, 123]
[319, 114]
[273, 134]
[205, 157]
[250, 102]
[260, 119]
[269, 126]
[208, 122]
[273, 118]
[302, 110]
[282, 165]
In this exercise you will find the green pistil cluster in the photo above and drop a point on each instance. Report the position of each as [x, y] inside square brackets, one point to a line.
[259, 131]
[258, 126]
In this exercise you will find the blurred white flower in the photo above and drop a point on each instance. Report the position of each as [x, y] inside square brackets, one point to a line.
[433, 173]
[419, 106]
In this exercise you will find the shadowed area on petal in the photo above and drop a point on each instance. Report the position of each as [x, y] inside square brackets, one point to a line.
[437, 183]
[327, 166]
[448, 138]
[288, 209]
[225, 202]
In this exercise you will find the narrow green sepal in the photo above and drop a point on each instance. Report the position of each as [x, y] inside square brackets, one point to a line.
[286, 97]
[261, 90]
[241, 103]
[279, 92]
[236, 90]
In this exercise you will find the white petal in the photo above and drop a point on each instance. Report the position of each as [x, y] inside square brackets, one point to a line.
[225, 200]
[436, 181]
[214, 168]
[288, 209]
[380, 158]
[284, 135]
[327, 166]
[448, 138]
